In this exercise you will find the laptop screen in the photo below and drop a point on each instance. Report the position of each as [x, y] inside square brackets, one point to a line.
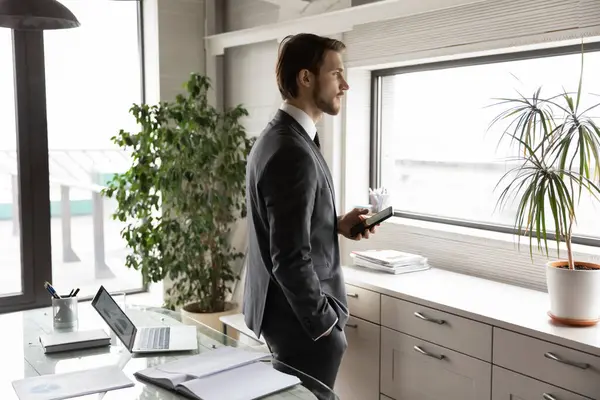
[114, 316]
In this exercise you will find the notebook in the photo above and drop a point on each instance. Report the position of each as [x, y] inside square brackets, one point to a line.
[71, 384]
[65, 341]
[208, 376]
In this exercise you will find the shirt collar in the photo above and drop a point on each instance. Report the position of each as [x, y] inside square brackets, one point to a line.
[302, 118]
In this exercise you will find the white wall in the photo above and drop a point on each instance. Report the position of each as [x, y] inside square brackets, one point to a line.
[256, 64]
[243, 14]
[174, 45]
[174, 48]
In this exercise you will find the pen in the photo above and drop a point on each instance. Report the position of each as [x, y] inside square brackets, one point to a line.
[71, 293]
[76, 291]
[50, 289]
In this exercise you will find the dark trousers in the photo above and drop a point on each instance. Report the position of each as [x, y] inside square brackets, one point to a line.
[292, 346]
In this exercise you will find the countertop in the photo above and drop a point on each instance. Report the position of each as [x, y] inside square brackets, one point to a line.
[502, 305]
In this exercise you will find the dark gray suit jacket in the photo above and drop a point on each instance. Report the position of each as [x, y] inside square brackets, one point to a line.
[292, 228]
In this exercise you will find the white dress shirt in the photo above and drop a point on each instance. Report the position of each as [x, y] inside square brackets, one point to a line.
[302, 118]
[307, 123]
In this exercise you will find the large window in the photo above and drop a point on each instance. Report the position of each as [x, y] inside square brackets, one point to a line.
[10, 261]
[93, 77]
[432, 147]
[64, 94]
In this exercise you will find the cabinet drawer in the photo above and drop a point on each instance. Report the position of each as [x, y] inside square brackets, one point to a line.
[578, 372]
[358, 377]
[412, 368]
[363, 303]
[448, 330]
[508, 385]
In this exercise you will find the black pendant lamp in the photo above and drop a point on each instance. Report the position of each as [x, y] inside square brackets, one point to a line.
[36, 15]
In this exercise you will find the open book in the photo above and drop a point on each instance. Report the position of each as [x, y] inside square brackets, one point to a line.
[209, 375]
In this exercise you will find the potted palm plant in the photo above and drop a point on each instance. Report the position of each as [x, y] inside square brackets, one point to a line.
[558, 143]
[180, 197]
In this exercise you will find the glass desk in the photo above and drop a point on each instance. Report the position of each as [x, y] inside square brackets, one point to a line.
[22, 355]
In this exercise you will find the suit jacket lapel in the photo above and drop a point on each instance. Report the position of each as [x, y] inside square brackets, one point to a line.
[282, 116]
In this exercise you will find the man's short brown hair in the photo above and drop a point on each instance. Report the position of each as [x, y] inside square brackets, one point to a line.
[298, 52]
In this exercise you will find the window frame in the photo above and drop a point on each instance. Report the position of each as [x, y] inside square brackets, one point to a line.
[33, 167]
[376, 134]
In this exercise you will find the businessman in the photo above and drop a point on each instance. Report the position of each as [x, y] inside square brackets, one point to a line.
[294, 292]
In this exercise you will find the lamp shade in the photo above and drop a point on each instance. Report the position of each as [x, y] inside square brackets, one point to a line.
[36, 15]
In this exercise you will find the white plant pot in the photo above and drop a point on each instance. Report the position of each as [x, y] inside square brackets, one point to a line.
[574, 294]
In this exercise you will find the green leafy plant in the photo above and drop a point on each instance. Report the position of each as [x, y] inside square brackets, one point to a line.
[181, 195]
[559, 147]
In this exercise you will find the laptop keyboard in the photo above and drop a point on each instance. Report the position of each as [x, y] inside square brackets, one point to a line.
[155, 338]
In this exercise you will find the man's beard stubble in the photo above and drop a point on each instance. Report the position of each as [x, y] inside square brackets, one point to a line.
[328, 107]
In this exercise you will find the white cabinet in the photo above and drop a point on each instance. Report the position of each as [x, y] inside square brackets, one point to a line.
[570, 369]
[413, 369]
[448, 330]
[358, 378]
[409, 344]
[508, 385]
[363, 303]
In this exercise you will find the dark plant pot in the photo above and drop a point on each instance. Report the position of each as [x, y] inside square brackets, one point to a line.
[211, 320]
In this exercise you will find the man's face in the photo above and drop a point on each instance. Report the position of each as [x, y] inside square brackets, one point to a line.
[330, 85]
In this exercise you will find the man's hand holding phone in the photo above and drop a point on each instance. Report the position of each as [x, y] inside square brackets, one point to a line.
[352, 218]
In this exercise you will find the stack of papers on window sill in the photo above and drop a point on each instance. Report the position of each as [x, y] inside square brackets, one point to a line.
[390, 261]
[226, 373]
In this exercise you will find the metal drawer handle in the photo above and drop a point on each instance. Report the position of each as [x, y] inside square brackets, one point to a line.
[352, 325]
[547, 396]
[355, 295]
[420, 350]
[572, 363]
[424, 318]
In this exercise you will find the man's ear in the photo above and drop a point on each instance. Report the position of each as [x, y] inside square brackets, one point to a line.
[305, 78]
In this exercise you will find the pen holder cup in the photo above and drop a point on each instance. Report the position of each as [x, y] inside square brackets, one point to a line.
[64, 313]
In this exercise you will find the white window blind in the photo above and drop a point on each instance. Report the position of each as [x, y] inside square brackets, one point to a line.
[480, 26]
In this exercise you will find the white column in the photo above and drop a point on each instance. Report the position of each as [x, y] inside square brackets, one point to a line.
[330, 136]
[331, 131]
[214, 64]
[173, 48]
[173, 44]
[356, 139]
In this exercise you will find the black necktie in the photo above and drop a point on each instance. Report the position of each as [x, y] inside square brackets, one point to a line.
[317, 142]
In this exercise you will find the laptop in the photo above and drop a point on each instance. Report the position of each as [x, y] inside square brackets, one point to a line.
[150, 339]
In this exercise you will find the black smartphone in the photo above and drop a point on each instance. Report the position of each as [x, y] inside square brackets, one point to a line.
[372, 221]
